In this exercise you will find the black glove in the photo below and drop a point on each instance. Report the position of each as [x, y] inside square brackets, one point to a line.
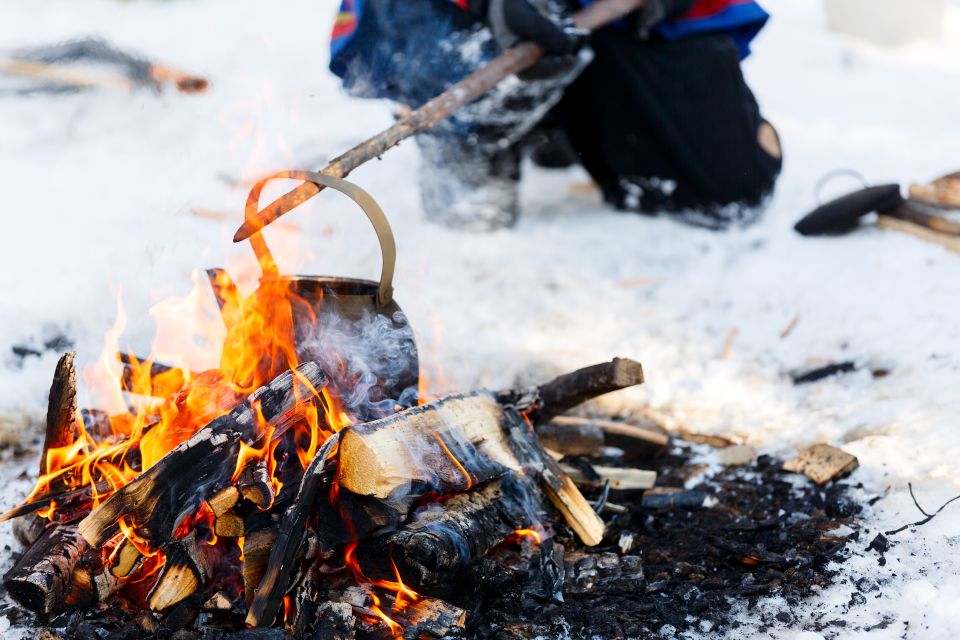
[514, 21]
[654, 12]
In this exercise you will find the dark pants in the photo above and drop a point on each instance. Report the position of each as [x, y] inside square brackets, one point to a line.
[669, 126]
[660, 125]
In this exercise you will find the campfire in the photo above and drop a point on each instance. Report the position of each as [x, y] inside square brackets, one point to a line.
[309, 486]
[306, 482]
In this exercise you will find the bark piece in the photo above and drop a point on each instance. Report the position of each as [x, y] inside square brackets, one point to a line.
[160, 498]
[41, 579]
[822, 463]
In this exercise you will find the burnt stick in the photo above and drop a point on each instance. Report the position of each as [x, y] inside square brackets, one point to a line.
[567, 391]
[41, 579]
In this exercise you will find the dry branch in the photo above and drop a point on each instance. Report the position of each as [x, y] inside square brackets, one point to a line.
[569, 390]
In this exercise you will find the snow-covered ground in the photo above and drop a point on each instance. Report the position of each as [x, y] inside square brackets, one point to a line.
[111, 192]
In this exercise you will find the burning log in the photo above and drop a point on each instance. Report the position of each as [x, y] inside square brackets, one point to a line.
[185, 572]
[268, 596]
[259, 539]
[446, 537]
[41, 579]
[160, 498]
[60, 433]
[451, 445]
[255, 485]
[335, 621]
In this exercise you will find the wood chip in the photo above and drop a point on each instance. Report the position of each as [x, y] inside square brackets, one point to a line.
[822, 463]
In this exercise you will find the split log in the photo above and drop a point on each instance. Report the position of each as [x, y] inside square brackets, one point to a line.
[185, 572]
[633, 439]
[224, 500]
[620, 478]
[446, 537]
[554, 482]
[602, 572]
[41, 579]
[255, 485]
[446, 446]
[259, 540]
[127, 559]
[569, 390]
[427, 618]
[229, 525]
[449, 446]
[268, 596]
[171, 490]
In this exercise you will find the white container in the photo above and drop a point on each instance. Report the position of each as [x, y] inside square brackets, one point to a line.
[887, 22]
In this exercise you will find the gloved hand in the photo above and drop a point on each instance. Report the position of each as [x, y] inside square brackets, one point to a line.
[654, 12]
[514, 21]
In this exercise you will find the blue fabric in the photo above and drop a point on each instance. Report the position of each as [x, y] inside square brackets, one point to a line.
[741, 21]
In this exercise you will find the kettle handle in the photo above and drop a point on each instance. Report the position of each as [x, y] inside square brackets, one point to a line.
[366, 202]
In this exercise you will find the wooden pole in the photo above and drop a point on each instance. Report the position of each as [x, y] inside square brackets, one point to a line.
[510, 62]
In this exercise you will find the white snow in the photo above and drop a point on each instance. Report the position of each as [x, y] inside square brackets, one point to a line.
[98, 190]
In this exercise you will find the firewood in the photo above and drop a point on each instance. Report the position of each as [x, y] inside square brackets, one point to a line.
[229, 525]
[554, 482]
[948, 241]
[567, 391]
[259, 539]
[622, 479]
[444, 538]
[41, 579]
[449, 445]
[335, 621]
[185, 571]
[60, 432]
[158, 499]
[224, 500]
[572, 438]
[586, 572]
[267, 598]
[255, 485]
[634, 439]
[822, 463]
[428, 618]
[126, 560]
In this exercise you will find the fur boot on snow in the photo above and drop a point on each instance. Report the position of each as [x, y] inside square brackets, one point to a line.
[466, 187]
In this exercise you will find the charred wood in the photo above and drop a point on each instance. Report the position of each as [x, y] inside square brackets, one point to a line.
[567, 391]
[635, 440]
[160, 498]
[572, 438]
[41, 579]
[448, 536]
[255, 485]
[185, 573]
[268, 597]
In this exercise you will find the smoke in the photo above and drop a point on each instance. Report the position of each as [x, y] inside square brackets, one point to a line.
[371, 361]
